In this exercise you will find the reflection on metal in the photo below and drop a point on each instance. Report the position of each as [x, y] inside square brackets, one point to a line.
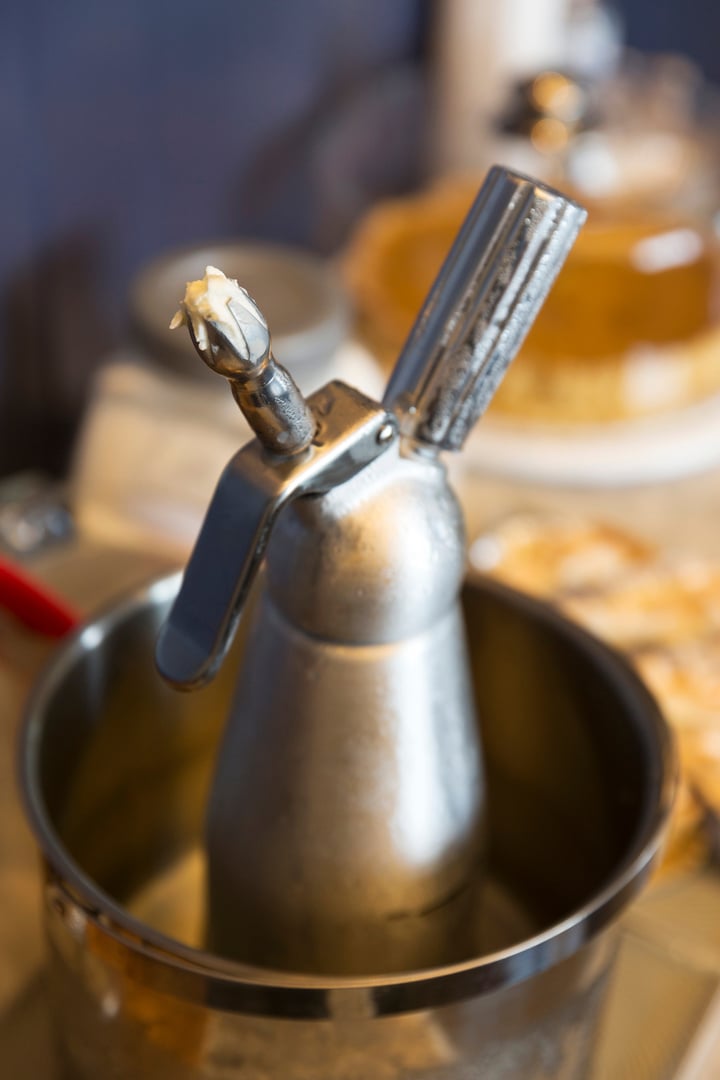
[115, 782]
[346, 818]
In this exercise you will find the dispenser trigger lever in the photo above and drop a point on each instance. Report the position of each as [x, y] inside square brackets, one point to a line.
[352, 431]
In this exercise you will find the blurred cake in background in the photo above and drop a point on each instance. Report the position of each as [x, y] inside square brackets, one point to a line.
[632, 326]
[661, 610]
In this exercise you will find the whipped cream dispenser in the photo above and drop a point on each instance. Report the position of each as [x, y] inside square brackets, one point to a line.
[344, 829]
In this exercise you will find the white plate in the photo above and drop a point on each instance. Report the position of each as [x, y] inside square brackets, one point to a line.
[648, 450]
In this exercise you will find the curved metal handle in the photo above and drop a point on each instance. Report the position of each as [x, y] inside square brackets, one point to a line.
[352, 431]
[485, 298]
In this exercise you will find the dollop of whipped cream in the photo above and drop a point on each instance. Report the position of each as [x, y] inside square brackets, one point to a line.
[207, 300]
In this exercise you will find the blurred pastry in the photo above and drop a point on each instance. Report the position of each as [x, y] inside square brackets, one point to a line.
[685, 844]
[665, 614]
[631, 327]
[555, 556]
[687, 681]
[656, 605]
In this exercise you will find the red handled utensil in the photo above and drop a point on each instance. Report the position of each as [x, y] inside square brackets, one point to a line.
[33, 604]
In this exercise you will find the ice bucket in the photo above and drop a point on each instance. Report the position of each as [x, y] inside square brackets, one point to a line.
[116, 766]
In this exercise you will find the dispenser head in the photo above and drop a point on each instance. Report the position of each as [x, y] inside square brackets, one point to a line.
[500, 269]
[351, 431]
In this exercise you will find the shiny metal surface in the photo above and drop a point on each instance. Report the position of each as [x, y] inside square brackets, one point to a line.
[351, 432]
[299, 293]
[116, 769]
[346, 818]
[235, 343]
[502, 265]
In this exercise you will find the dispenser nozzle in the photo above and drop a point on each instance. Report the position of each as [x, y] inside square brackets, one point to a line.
[231, 336]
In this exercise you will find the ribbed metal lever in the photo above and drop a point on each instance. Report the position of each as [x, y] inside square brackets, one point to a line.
[499, 271]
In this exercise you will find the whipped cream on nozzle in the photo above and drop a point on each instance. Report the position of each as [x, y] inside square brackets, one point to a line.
[231, 336]
[225, 322]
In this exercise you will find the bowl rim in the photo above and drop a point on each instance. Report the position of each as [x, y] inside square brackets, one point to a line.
[194, 974]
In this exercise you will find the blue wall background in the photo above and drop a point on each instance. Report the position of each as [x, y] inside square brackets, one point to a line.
[117, 143]
[685, 26]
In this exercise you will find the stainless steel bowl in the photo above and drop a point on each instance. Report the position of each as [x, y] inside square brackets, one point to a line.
[115, 766]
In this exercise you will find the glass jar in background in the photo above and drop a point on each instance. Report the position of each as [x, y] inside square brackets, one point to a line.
[612, 407]
[632, 326]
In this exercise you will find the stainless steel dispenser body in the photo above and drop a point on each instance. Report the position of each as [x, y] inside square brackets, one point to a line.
[349, 783]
